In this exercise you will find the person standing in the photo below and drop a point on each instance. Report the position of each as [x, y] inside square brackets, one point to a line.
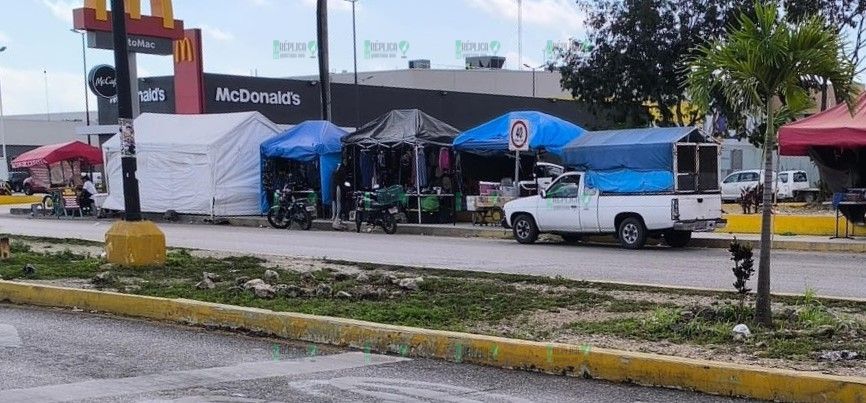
[338, 179]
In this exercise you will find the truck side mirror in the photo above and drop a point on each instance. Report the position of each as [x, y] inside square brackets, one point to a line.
[542, 193]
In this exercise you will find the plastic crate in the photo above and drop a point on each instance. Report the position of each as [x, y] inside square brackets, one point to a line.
[389, 195]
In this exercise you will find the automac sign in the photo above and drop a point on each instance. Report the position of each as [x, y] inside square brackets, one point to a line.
[245, 96]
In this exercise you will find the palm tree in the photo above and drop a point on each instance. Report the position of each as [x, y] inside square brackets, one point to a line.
[760, 68]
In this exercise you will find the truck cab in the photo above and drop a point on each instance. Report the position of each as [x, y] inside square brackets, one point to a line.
[570, 208]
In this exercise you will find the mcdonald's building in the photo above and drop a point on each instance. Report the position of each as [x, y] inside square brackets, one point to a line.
[462, 98]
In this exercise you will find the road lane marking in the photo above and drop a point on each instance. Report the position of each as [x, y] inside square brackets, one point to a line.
[9, 336]
[399, 390]
[103, 388]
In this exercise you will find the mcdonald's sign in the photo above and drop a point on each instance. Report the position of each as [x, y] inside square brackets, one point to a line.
[94, 16]
[183, 51]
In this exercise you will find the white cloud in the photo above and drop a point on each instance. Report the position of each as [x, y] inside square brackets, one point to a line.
[338, 5]
[4, 39]
[216, 33]
[546, 13]
[62, 9]
[260, 3]
[24, 91]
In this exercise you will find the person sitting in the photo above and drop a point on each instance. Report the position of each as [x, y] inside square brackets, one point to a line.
[88, 190]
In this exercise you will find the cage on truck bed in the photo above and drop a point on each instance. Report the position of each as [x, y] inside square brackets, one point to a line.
[651, 160]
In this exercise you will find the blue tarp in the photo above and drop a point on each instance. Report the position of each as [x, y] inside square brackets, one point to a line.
[630, 181]
[546, 132]
[636, 149]
[629, 161]
[307, 142]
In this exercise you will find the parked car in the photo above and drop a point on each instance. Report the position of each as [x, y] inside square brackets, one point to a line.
[16, 180]
[734, 184]
[791, 183]
[570, 209]
[32, 185]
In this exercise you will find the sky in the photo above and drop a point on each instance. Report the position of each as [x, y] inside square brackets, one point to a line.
[239, 39]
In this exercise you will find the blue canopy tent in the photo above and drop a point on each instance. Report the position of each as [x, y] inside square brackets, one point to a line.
[632, 160]
[546, 132]
[310, 141]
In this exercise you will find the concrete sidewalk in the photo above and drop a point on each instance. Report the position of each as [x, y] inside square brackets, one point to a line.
[466, 230]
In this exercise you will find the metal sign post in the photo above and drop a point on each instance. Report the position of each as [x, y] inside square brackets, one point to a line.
[518, 140]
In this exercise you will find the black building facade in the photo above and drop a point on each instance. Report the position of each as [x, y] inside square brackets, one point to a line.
[291, 101]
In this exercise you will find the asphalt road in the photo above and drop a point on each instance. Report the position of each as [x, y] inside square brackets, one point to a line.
[830, 274]
[52, 355]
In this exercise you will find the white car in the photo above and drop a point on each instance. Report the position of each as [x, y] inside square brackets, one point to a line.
[790, 183]
[734, 184]
[570, 209]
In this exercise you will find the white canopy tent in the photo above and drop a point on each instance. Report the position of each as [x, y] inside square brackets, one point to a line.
[194, 164]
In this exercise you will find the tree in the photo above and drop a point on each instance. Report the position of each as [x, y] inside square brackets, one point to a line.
[844, 16]
[760, 69]
[637, 48]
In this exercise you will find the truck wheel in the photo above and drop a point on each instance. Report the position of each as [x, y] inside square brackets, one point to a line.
[524, 228]
[632, 233]
[678, 239]
[809, 197]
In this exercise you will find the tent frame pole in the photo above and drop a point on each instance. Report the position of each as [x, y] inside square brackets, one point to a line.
[418, 180]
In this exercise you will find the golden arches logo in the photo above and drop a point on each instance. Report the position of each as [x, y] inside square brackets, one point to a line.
[158, 8]
[183, 51]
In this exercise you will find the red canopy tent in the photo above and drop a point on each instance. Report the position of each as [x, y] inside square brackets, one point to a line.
[834, 128]
[50, 154]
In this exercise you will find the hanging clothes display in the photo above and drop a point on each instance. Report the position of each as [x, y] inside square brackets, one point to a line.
[367, 167]
[445, 159]
[422, 167]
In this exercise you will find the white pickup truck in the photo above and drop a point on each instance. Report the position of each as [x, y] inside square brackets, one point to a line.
[570, 209]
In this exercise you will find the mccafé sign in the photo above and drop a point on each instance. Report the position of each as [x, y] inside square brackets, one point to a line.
[102, 81]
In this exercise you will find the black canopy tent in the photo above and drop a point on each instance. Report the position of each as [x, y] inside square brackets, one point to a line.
[410, 128]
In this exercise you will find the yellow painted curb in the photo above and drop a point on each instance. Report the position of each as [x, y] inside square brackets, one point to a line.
[790, 224]
[555, 358]
[17, 199]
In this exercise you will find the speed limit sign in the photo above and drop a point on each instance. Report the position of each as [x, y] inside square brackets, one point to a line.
[518, 135]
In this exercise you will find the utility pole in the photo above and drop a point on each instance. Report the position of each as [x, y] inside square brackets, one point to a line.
[355, 62]
[324, 74]
[132, 203]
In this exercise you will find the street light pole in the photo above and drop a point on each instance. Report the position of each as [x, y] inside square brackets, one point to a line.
[519, 34]
[84, 75]
[47, 103]
[533, 77]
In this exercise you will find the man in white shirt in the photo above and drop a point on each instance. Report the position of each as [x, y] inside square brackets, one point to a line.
[88, 189]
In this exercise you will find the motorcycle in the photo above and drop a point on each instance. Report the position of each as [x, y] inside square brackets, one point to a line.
[288, 209]
[378, 208]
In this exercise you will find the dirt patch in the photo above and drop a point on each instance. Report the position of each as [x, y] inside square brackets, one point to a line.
[46, 247]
